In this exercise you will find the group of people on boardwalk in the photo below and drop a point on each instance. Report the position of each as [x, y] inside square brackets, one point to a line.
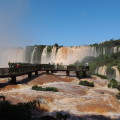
[16, 67]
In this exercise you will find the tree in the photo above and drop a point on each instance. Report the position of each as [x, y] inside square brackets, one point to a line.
[56, 45]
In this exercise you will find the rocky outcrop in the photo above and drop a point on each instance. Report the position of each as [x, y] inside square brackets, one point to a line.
[111, 75]
[101, 70]
[117, 75]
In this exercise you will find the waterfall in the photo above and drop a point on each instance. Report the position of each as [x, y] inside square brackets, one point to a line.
[103, 51]
[44, 56]
[23, 54]
[69, 55]
[53, 55]
[117, 76]
[64, 55]
[32, 55]
[114, 49]
[20, 55]
[101, 70]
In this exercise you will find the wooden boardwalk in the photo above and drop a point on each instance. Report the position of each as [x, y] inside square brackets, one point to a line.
[18, 69]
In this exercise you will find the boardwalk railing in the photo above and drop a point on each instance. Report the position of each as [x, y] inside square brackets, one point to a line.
[17, 69]
[32, 67]
[62, 67]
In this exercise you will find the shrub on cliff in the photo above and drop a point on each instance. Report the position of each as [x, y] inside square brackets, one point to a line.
[86, 83]
[114, 84]
[49, 49]
[51, 89]
[47, 117]
[101, 76]
[20, 111]
[59, 116]
[40, 88]
[118, 96]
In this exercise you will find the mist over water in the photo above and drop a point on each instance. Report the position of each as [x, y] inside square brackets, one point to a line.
[11, 55]
[12, 30]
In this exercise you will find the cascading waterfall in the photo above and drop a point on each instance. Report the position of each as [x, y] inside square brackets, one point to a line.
[103, 51]
[53, 55]
[44, 56]
[23, 54]
[63, 55]
[115, 49]
[19, 55]
[117, 76]
[69, 55]
[32, 55]
[102, 70]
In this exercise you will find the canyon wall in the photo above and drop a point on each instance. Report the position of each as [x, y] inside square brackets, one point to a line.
[114, 73]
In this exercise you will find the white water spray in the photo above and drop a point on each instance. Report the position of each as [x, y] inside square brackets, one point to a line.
[32, 55]
[44, 56]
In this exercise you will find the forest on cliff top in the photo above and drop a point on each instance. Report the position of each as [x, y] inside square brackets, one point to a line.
[108, 58]
[110, 43]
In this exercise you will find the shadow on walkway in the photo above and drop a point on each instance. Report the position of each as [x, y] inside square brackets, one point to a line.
[23, 81]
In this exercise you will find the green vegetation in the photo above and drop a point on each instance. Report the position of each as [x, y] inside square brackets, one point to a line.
[101, 76]
[40, 88]
[108, 60]
[107, 56]
[38, 53]
[24, 111]
[86, 83]
[56, 45]
[118, 96]
[114, 84]
[59, 116]
[110, 71]
[110, 43]
[20, 111]
[49, 49]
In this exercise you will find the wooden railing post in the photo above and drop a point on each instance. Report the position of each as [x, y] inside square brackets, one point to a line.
[84, 74]
[47, 71]
[30, 74]
[67, 72]
[36, 72]
[52, 71]
[77, 74]
[13, 79]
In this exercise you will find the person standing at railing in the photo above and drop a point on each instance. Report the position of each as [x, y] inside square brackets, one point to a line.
[17, 67]
[86, 65]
